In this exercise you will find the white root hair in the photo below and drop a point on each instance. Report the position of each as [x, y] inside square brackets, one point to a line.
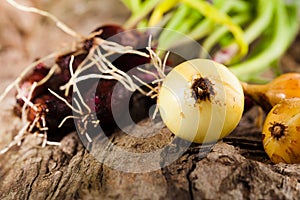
[27, 101]
[28, 126]
[95, 58]
[58, 23]
[107, 71]
[27, 69]
[65, 101]
[82, 115]
[75, 88]
[48, 76]
[17, 139]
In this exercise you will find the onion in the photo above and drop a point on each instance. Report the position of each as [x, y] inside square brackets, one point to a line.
[201, 101]
[281, 132]
[268, 95]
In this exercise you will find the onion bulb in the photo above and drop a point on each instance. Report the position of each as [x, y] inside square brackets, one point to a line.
[201, 101]
[268, 95]
[281, 132]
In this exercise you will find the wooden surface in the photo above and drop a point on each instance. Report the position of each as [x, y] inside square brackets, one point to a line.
[235, 168]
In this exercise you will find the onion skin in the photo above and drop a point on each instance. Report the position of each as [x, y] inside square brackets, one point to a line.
[39, 72]
[97, 96]
[268, 95]
[201, 120]
[54, 111]
[281, 132]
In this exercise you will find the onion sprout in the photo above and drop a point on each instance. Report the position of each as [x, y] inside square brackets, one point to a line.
[226, 29]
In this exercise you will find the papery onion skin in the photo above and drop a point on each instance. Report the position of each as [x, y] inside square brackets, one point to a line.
[281, 132]
[201, 120]
[268, 95]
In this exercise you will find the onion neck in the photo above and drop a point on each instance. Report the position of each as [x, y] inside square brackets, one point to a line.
[258, 94]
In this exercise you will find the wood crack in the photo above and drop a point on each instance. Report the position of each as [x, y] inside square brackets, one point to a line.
[39, 164]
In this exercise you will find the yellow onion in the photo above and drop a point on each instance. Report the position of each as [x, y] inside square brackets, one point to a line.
[201, 101]
[268, 95]
[281, 132]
